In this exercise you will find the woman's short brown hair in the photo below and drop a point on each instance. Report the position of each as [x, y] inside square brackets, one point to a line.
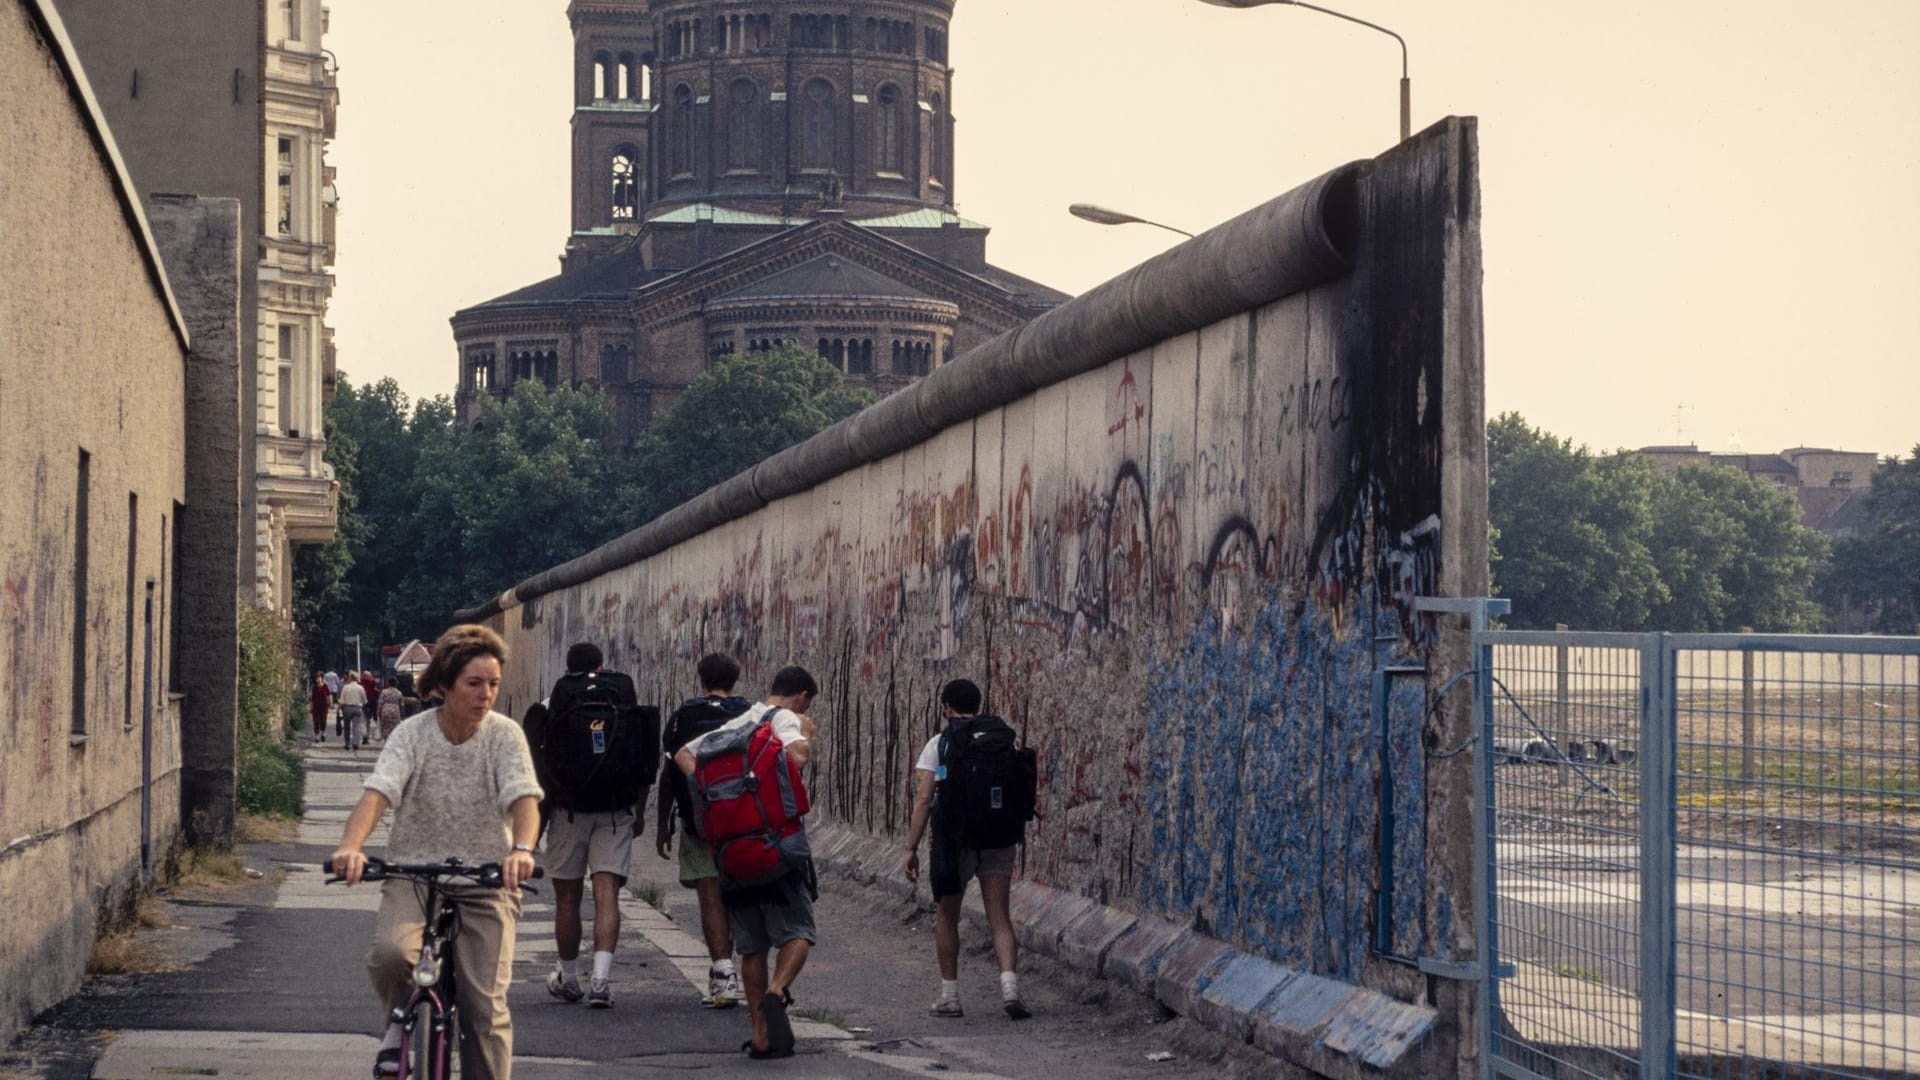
[459, 646]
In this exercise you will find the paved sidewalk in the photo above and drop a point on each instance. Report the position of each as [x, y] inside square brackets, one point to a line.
[271, 985]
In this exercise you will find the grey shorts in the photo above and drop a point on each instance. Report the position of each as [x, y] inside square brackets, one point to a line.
[579, 842]
[758, 928]
[986, 863]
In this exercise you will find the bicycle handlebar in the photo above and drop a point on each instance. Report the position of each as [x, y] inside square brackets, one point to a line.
[380, 870]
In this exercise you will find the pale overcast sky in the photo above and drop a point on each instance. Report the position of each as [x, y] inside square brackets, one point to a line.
[1702, 217]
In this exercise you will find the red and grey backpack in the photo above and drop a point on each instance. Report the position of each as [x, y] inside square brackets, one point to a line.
[751, 799]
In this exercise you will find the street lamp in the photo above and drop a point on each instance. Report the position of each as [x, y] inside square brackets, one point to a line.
[1100, 215]
[1406, 84]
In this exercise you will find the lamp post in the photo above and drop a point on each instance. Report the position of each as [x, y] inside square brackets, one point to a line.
[1100, 215]
[1406, 84]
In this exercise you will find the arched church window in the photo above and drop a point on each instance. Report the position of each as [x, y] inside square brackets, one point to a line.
[626, 184]
[890, 155]
[742, 101]
[817, 149]
[682, 136]
[602, 73]
[937, 140]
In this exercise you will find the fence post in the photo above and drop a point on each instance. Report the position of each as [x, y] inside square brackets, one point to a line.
[1562, 707]
[1746, 710]
[1658, 724]
[1485, 854]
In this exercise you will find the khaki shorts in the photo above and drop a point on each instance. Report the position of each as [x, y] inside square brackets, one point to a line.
[579, 842]
[696, 861]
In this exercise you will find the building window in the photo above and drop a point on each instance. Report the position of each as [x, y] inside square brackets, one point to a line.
[1841, 478]
[817, 147]
[284, 202]
[293, 19]
[602, 75]
[682, 130]
[624, 74]
[720, 346]
[889, 147]
[626, 187]
[480, 369]
[743, 100]
[937, 44]
[82, 670]
[289, 354]
[613, 365]
[937, 141]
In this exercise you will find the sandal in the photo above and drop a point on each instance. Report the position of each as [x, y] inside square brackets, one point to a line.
[779, 1031]
[386, 1063]
[762, 1055]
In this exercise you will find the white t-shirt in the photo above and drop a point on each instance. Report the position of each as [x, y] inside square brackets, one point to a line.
[929, 757]
[786, 725]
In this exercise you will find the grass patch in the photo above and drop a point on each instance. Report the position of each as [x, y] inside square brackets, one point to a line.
[652, 894]
[151, 912]
[1583, 974]
[126, 952]
[265, 828]
[203, 869]
[822, 1015]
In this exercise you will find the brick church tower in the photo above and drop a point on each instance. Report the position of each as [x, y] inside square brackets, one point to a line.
[744, 174]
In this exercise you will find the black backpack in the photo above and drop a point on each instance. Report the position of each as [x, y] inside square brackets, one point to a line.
[600, 747]
[991, 783]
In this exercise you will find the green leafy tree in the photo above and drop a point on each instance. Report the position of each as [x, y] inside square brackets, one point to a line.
[1874, 578]
[1573, 535]
[739, 411]
[1611, 543]
[322, 586]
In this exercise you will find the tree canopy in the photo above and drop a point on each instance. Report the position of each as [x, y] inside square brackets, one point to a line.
[1609, 542]
[435, 516]
[1874, 579]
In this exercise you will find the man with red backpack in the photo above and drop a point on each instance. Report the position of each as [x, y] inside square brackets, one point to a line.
[746, 784]
[595, 749]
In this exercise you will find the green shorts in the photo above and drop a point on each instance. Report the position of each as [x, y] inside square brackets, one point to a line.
[696, 861]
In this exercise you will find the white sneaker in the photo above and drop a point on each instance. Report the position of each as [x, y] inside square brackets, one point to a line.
[599, 995]
[946, 1006]
[723, 990]
[567, 990]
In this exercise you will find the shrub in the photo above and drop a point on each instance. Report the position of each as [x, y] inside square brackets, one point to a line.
[270, 777]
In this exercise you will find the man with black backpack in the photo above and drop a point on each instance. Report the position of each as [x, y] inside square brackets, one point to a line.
[716, 705]
[596, 750]
[976, 786]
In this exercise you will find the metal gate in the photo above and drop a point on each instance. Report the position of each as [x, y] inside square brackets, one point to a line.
[1700, 855]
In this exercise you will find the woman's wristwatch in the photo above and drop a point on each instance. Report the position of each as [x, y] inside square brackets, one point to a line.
[528, 848]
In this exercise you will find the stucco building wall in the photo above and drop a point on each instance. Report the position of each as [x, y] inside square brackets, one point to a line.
[91, 360]
[1175, 529]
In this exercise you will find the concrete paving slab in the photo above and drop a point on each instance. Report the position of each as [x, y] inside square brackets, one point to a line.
[1375, 1030]
[235, 1055]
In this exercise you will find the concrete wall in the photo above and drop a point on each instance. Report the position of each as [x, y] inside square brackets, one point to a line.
[201, 242]
[91, 358]
[1175, 528]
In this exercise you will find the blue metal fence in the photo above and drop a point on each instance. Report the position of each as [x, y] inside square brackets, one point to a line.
[1702, 855]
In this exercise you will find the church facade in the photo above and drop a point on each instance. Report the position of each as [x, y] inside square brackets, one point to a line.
[748, 174]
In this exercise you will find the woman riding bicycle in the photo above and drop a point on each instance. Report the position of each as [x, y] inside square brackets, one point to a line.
[460, 781]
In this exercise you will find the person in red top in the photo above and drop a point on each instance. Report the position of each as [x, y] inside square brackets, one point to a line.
[371, 685]
[319, 702]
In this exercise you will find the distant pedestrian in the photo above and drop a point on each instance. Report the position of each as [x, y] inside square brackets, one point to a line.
[697, 716]
[976, 788]
[333, 683]
[353, 711]
[776, 916]
[319, 704]
[371, 685]
[596, 761]
[391, 710]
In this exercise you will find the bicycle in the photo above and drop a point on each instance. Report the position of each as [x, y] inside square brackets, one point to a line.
[431, 1016]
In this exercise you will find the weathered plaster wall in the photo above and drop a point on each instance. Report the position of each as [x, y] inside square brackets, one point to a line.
[1176, 565]
[90, 357]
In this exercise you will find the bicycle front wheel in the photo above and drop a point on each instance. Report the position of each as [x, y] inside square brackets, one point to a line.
[429, 1051]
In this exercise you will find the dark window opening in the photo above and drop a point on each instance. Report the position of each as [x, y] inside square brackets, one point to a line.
[937, 141]
[613, 365]
[890, 148]
[682, 133]
[133, 581]
[743, 102]
[626, 186]
[817, 145]
[170, 594]
[83, 496]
